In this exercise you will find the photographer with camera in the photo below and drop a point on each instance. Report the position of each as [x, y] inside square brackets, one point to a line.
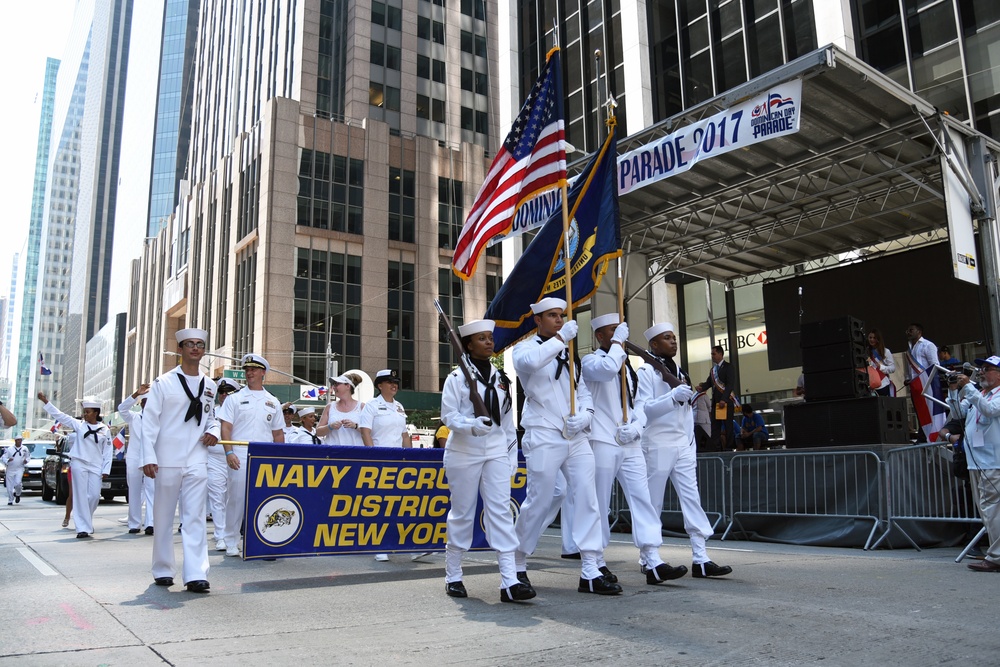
[981, 412]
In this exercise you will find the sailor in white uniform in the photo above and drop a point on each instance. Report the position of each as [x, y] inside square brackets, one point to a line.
[305, 434]
[383, 420]
[669, 446]
[90, 460]
[140, 487]
[559, 441]
[617, 451]
[178, 427]
[15, 458]
[218, 472]
[479, 458]
[252, 414]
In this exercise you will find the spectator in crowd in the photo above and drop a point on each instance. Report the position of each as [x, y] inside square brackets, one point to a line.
[703, 423]
[441, 436]
[722, 381]
[341, 419]
[800, 386]
[945, 359]
[753, 430]
[881, 362]
[288, 414]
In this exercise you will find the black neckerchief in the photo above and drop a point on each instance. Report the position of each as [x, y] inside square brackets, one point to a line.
[674, 368]
[484, 369]
[315, 438]
[194, 409]
[94, 432]
[562, 359]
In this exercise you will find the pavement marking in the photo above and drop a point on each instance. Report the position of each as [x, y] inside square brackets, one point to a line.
[39, 564]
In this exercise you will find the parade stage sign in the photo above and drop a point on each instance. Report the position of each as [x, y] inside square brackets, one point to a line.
[317, 500]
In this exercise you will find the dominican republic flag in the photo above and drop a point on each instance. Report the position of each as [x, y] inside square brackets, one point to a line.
[41, 365]
[532, 160]
[119, 443]
[930, 415]
[55, 427]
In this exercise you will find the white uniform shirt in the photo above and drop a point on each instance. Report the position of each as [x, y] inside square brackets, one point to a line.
[168, 440]
[345, 436]
[667, 422]
[546, 399]
[253, 414]
[303, 436]
[133, 451]
[387, 421]
[458, 415]
[95, 453]
[289, 432]
[601, 371]
[15, 458]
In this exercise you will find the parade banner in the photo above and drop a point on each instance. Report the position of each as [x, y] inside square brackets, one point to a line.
[318, 500]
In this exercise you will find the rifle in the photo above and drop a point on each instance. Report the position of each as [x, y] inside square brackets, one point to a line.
[657, 365]
[478, 404]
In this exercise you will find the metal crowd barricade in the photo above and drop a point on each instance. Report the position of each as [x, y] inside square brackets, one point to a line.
[712, 488]
[842, 484]
[920, 486]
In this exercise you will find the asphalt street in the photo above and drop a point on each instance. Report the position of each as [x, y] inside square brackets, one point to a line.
[93, 602]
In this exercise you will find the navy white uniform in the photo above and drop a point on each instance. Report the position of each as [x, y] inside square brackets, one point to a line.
[140, 487]
[172, 440]
[479, 463]
[15, 458]
[543, 368]
[90, 459]
[387, 421]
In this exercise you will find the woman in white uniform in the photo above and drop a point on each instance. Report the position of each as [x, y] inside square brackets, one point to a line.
[341, 419]
[479, 459]
[306, 433]
[90, 460]
[218, 473]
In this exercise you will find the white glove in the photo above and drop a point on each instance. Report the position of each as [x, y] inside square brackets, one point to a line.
[627, 433]
[577, 424]
[682, 393]
[569, 330]
[481, 426]
[621, 334]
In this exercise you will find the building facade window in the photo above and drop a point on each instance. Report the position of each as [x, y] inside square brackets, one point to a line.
[402, 205]
[244, 302]
[327, 301]
[331, 192]
[400, 319]
[386, 14]
[331, 71]
[450, 212]
[450, 296]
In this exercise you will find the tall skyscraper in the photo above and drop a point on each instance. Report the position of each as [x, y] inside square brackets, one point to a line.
[7, 323]
[335, 148]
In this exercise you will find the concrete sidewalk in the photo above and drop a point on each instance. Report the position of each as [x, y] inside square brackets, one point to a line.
[93, 602]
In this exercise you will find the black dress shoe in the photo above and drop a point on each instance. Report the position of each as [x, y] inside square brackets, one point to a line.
[599, 585]
[133, 531]
[709, 569]
[164, 581]
[149, 530]
[197, 586]
[455, 589]
[608, 574]
[523, 578]
[81, 536]
[517, 593]
[664, 572]
[572, 556]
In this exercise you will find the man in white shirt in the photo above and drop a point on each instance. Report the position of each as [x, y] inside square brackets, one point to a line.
[250, 415]
[15, 458]
[178, 427]
[140, 487]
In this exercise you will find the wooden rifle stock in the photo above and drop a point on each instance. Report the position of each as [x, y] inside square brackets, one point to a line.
[478, 404]
[667, 376]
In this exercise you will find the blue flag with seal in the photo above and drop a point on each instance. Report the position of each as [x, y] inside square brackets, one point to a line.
[595, 239]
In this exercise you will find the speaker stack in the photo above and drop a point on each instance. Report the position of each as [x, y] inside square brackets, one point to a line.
[840, 409]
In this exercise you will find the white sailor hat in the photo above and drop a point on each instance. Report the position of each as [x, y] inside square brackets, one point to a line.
[191, 334]
[91, 403]
[228, 386]
[307, 411]
[655, 330]
[476, 326]
[605, 320]
[387, 375]
[255, 361]
[548, 303]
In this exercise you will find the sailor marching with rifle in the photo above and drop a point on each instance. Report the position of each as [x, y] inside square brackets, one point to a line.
[557, 416]
[664, 399]
[90, 460]
[479, 458]
[616, 435]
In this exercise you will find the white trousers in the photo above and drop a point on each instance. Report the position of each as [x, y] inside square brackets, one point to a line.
[86, 495]
[628, 466]
[13, 482]
[218, 480]
[550, 454]
[469, 477]
[679, 465]
[172, 485]
[562, 505]
[236, 498]
[140, 488]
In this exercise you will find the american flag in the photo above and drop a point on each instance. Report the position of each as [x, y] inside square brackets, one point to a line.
[532, 160]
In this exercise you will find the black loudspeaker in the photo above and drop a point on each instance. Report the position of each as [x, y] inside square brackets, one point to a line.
[833, 357]
[838, 384]
[862, 421]
[845, 329]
